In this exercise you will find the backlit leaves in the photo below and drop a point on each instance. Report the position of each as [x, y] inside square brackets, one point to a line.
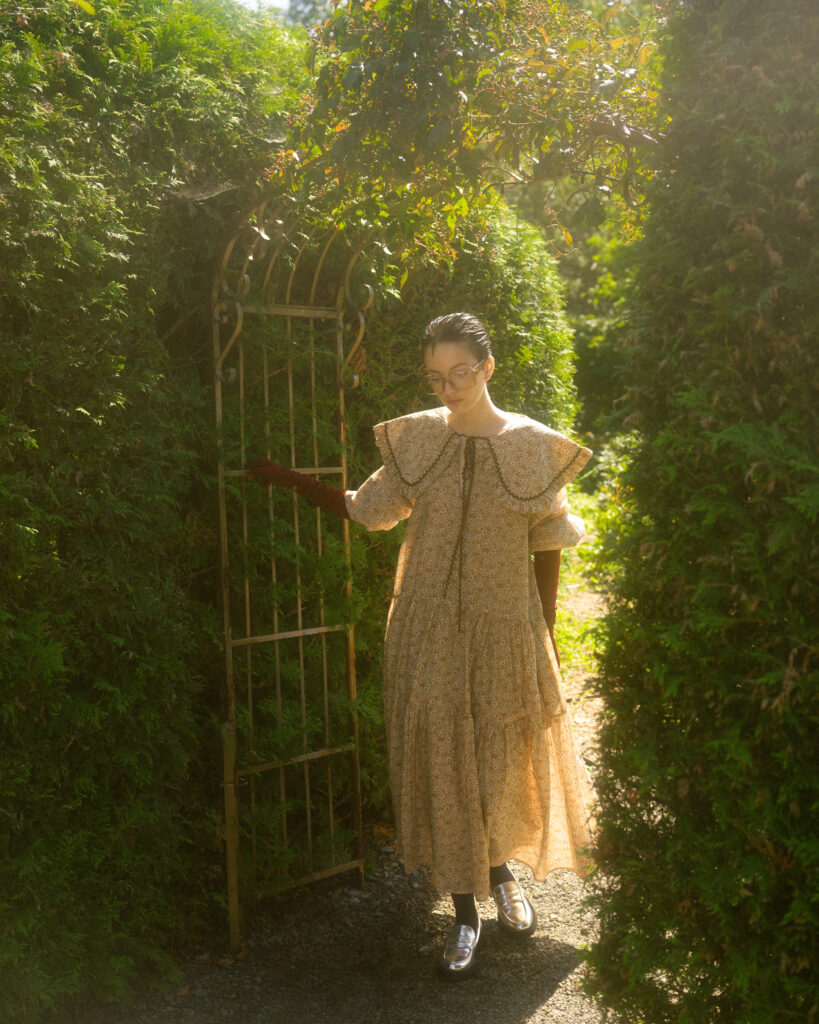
[416, 97]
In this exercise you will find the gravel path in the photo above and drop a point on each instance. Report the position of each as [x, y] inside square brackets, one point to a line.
[330, 955]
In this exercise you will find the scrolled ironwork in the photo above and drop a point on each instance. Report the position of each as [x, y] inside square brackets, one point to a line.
[288, 268]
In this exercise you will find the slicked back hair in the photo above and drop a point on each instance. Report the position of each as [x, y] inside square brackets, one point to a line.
[462, 328]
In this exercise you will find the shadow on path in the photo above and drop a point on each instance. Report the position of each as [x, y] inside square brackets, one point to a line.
[330, 955]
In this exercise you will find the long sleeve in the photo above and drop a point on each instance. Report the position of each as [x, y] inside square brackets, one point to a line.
[377, 504]
[558, 529]
[318, 493]
[547, 575]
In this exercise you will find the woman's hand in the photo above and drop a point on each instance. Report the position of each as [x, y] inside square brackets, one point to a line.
[322, 495]
[269, 472]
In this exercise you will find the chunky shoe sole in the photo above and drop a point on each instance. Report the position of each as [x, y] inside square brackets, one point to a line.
[519, 932]
[508, 926]
[445, 967]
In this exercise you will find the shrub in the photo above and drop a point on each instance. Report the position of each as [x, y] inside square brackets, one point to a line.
[123, 138]
[505, 275]
[707, 847]
[130, 140]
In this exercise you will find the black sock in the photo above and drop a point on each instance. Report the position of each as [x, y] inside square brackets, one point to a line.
[465, 910]
[500, 874]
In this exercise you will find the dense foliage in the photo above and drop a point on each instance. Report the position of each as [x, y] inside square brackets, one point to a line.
[419, 104]
[503, 273]
[708, 854]
[128, 139]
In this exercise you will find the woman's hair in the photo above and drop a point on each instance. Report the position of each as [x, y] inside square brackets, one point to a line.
[461, 328]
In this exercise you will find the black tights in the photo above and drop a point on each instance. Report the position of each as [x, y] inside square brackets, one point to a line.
[465, 910]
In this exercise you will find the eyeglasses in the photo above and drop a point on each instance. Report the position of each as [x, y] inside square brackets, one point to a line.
[460, 379]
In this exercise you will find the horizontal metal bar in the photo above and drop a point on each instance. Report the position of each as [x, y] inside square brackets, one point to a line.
[350, 865]
[308, 312]
[289, 635]
[314, 755]
[307, 469]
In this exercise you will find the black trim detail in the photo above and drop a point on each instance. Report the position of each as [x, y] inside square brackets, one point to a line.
[530, 497]
[430, 467]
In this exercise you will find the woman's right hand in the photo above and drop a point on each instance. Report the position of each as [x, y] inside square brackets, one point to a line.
[268, 472]
[318, 493]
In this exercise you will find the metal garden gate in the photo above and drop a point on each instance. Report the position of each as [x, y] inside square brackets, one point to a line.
[287, 334]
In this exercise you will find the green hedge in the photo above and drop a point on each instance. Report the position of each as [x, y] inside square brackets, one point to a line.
[130, 140]
[504, 273]
[124, 140]
[708, 851]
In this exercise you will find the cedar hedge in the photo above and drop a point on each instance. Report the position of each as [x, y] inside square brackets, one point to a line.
[708, 854]
[123, 138]
[503, 272]
[130, 140]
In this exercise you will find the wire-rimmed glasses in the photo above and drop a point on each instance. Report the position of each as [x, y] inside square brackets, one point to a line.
[461, 379]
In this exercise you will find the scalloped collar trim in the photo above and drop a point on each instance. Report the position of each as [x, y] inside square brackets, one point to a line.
[531, 461]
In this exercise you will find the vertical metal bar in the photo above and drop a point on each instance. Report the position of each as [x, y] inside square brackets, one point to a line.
[248, 654]
[351, 677]
[319, 549]
[274, 579]
[231, 830]
[229, 725]
[299, 603]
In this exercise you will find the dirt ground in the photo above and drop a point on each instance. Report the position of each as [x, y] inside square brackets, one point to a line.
[327, 954]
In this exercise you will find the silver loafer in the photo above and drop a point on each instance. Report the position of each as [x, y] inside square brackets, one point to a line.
[515, 913]
[457, 958]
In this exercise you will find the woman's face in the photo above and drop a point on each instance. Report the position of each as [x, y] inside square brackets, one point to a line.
[451, 357]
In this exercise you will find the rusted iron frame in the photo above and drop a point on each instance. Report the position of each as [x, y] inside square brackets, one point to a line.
[224, 300]
[312, 755]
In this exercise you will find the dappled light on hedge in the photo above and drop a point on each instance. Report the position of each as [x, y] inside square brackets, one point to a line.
[708, 850]
[127, 140]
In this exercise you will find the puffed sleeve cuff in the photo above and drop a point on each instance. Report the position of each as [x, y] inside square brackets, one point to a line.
[559, 528]
[377, 504]
[563, 531]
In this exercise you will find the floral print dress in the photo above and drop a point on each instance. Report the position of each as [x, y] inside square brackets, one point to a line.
[483, 765]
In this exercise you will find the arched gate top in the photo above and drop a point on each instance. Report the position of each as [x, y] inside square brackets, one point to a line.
[290, 734]
[284, 261]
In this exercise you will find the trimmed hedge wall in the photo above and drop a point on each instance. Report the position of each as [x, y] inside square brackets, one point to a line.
[505, 274]
[708, 849]
[123, 138]
[130, 140]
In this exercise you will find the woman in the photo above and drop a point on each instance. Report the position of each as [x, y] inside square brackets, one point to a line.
[483, 767]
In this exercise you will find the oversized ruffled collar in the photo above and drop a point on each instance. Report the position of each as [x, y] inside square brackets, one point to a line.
[530, 461]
